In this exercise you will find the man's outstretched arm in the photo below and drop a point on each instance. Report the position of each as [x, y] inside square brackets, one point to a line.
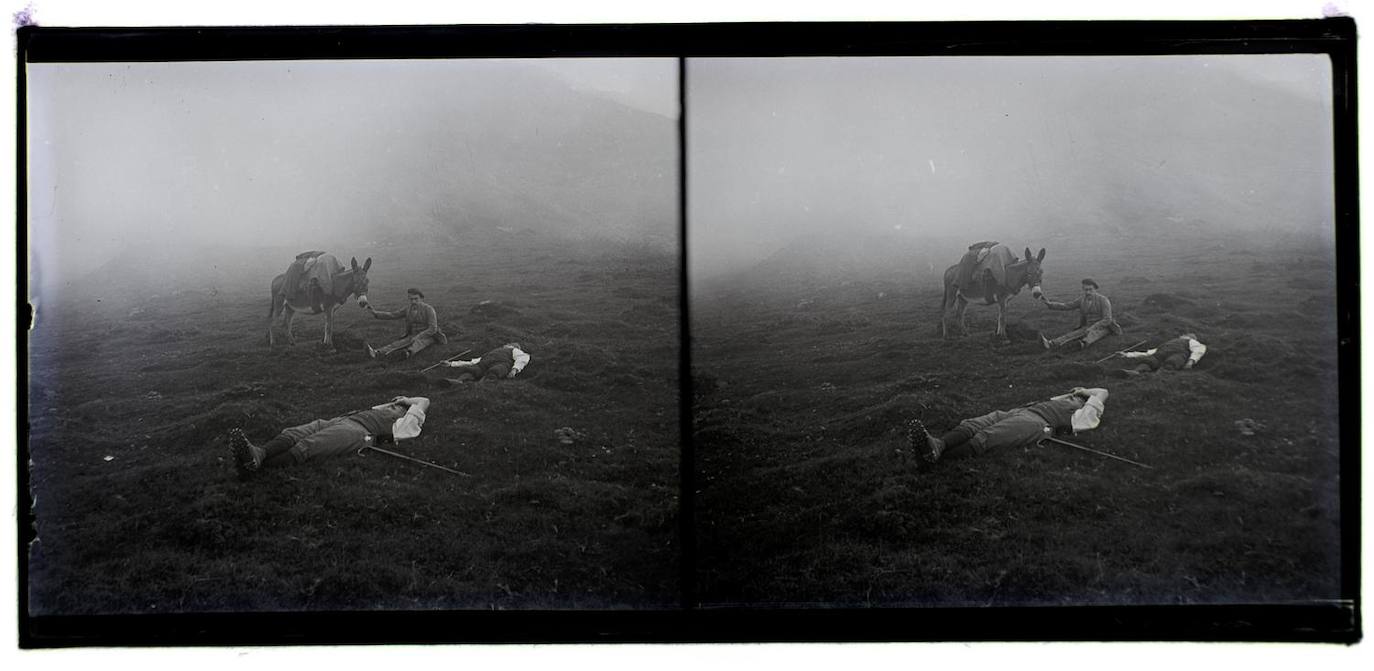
[1056, 305]
[1139, 355]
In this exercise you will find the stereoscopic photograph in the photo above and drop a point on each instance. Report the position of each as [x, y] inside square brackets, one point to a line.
[353, 335]
[1014, 331]
[689, 333]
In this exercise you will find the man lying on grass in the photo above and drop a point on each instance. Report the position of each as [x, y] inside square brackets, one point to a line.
[1181, 353]
[399, 419]
[1078, 410]
[503, 362]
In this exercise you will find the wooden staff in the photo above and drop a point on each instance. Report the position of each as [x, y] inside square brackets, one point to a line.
[422, 462]
[455, 356]
[1120, 352]
[1089, 449]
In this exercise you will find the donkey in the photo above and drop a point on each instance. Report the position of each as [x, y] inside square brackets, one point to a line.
[327, 286]
[996, 278]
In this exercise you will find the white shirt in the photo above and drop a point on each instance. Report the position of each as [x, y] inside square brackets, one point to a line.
[1195, 349]
[521, 360]
[1089, 416]
[408, 426]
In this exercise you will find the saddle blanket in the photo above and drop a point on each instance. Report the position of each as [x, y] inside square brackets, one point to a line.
[308, 270]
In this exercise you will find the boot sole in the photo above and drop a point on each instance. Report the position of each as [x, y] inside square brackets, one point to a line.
[243, 454]
[916, 435]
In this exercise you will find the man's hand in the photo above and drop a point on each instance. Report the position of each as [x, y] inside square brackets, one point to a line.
[401, 400]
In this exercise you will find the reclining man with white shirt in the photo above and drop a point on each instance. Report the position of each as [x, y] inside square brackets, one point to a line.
[1181, 353]
[1078, 410]
[399, 419]
[503, 362]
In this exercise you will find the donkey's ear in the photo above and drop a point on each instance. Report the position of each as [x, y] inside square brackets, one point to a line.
[353, 263]
[1041, 256]
[368, 263]
[1028, 254]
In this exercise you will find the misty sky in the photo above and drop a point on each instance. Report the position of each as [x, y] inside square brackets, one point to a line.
[318, 154]
[325, 154]
[782, 149]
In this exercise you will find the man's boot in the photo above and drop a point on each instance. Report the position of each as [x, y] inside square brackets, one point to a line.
[247, 456]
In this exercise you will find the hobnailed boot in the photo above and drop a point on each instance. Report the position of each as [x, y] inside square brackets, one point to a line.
[247, 456]
[923, 443]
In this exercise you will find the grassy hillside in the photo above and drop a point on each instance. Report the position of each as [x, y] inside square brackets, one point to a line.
[809, 494]
[137, 508]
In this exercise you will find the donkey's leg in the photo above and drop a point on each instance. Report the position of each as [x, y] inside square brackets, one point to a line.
[272, 310]
[290, 317]
[961, 305]
[946, 304]
[1001, 332]
[329, 325]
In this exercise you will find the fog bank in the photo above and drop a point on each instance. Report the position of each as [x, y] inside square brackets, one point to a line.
[787, 153]
[160, 159]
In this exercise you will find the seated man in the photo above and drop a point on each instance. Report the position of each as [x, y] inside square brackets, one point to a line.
[1079, 410]
[1179, 353]
[399, 419]
[503, 362]
[422, 327]
[1094, 318]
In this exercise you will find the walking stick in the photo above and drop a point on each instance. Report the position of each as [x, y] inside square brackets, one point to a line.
[418, 461]
[1120, 352]
[1089, 449]
[455, 356]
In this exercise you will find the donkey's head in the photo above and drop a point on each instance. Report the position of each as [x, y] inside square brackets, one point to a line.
[1034, 274]
[360, 279]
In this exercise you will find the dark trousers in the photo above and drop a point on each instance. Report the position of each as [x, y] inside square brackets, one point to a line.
[997, 429]
[410, 344]
[1089, 334]
[1154, 362]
